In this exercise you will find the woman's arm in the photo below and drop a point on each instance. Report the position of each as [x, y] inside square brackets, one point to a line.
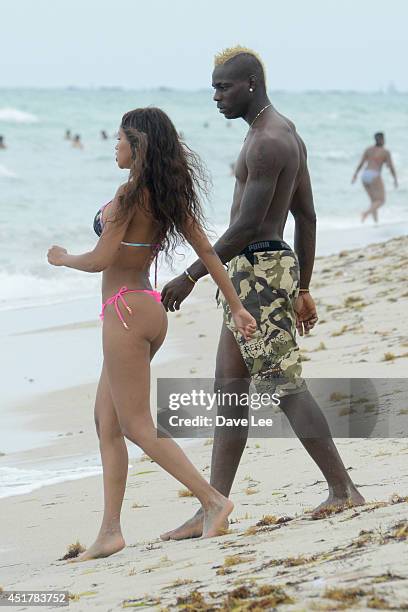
[105, 251]
[244, 321]
[360, 165]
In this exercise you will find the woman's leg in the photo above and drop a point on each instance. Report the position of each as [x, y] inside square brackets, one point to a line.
[376, 193]
[115, 469]
[127, 359]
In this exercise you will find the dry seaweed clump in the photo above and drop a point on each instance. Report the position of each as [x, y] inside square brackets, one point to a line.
[242, 599]
[185, 493]
[74, 550]
[330, 510]
[348, 596]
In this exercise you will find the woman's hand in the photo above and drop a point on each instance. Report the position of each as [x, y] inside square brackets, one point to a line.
[244, 322]
[57, 255]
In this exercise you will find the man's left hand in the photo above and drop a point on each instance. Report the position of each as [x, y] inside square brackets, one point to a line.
[306, 314]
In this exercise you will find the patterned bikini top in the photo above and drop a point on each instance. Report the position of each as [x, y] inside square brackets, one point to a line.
[98, 226]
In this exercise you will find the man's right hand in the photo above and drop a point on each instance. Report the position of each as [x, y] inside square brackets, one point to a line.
[176, 292]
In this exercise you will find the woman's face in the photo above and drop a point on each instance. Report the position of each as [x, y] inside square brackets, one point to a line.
[123, 151]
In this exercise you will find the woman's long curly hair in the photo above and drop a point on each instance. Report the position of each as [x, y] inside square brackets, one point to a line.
[169, 170]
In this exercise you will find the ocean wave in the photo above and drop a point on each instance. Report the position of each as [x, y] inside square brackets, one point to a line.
[333, 155]
[15, 481]
[6, 172]
[13, 115]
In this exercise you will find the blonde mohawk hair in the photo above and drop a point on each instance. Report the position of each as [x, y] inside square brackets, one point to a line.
[230, 52]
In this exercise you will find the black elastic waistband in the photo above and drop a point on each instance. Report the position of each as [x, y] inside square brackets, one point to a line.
[264, 245]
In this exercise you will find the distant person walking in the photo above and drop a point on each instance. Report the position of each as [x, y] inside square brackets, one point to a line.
[2, 143]
[375, 157]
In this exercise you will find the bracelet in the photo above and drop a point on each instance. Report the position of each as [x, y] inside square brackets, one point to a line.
[304, 291]
[187, 273]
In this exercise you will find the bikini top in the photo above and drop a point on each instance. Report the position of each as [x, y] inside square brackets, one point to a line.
[98, 226]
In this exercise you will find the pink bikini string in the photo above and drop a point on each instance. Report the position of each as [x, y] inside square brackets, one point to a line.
[119, 296]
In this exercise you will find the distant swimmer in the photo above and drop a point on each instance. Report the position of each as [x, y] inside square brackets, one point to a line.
[374, 157]
[104, 135]
[68, 135]
[76, 142]
[2, 143]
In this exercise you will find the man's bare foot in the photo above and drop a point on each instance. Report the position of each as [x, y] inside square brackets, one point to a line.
[216, 517]
[339, 502]
[193, 528]
[104, 546]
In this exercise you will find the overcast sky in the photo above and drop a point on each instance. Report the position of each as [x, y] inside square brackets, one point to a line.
[314, 44]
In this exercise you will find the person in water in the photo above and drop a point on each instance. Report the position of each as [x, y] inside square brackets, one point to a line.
[158, 208]
[271, 180]
[76, 142]
[2, 143]
[374, 158]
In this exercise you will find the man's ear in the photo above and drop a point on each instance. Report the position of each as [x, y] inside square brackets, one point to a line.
[252, 82]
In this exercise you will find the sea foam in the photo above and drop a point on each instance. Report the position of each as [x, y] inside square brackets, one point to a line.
[13, 115]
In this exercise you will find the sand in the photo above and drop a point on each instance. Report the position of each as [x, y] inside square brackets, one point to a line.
[361, 552]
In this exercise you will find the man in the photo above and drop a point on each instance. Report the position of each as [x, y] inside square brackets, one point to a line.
[271, 179]
[375, 157]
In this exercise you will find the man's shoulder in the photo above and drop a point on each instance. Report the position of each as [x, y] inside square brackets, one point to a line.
[267, 143]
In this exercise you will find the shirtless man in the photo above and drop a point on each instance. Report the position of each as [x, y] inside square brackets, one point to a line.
[271, 179]
[375, 157]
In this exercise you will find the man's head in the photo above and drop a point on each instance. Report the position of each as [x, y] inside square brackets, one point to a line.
[379, 139]
[238, 78]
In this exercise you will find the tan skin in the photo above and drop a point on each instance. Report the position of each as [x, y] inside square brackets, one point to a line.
[374, 158]
[272, 180]
[122, 407]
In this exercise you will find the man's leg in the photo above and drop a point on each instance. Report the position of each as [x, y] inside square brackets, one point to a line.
[231, 376]
[310, 425]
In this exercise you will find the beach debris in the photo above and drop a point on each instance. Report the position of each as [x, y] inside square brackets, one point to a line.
[77, 596]
[388, 357]
[185, 493]
[232, 560]
[73, 551]
[338, 397]
[378, 603]
[179, 583]
[329, 510]
[340, 332]
[136, 505]
[348, 596]
[140, 602]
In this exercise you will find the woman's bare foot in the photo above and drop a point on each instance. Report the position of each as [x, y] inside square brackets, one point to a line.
[216, 517]
[336, 502]
[193, 528]
[104, 546]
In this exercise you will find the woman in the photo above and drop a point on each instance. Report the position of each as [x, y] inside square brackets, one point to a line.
[157, 208]
[375, 157]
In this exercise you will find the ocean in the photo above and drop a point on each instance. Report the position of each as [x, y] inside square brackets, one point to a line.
[49, 191]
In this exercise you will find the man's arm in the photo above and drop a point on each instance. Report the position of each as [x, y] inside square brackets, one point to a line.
[265, 160]
[389, 162]
[302, 209]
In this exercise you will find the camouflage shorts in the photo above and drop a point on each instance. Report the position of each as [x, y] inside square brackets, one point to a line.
[268, 289]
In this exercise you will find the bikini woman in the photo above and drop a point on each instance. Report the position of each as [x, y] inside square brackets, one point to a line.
[157, 208]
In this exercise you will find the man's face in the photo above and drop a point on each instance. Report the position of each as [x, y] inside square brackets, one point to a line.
[380, 140]
[231, 94]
